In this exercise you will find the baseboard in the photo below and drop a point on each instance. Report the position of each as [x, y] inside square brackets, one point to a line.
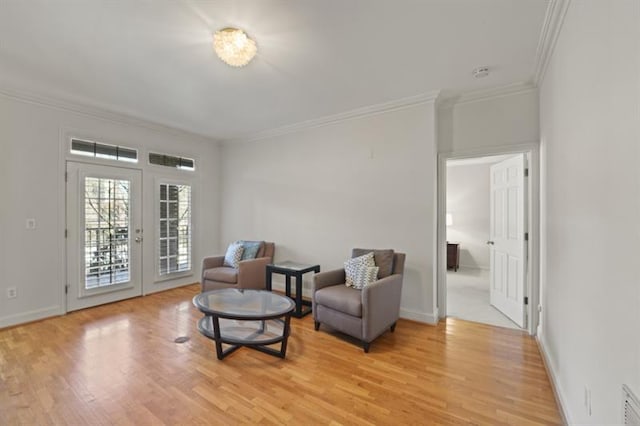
[164, 286]
[419, 316]
[555, 384]
[404, 313]
[482, 268]
[30, 316]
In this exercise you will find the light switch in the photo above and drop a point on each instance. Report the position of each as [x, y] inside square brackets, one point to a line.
[31, 223]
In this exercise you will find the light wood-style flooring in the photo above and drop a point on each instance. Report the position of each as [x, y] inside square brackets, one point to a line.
[118, 364]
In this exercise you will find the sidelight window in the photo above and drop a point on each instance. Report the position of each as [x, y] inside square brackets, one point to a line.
[174, 244]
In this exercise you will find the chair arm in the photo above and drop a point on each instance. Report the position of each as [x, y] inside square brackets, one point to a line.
[328, 278]
[252, 273]
[380, 305]
[212, 262]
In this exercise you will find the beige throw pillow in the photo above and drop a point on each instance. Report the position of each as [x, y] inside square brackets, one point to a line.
[353, 266]
[365, 276]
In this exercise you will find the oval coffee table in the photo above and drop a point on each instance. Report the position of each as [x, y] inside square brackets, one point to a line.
[252, 318]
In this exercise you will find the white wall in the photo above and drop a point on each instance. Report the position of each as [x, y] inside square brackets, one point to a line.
[317, 193]
[487, 123]
[468, 203]
[32, 171]
[590, 126]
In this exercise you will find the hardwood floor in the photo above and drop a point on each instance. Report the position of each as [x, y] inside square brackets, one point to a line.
[118, 364]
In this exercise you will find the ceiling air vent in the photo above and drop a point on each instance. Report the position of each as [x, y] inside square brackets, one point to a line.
[630, 407]
[103, 150]
[171, 161]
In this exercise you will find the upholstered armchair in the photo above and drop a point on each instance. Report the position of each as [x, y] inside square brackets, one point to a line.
[250, 273]
[362, 313]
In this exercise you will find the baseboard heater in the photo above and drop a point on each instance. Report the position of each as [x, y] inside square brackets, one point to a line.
[630, 407]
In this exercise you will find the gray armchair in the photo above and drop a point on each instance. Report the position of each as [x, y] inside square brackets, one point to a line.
[364, 314]
[251, 273]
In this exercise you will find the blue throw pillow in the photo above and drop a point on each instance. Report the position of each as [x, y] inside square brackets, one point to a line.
[251, 249]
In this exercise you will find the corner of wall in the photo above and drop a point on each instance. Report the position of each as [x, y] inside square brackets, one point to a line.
[555, 382]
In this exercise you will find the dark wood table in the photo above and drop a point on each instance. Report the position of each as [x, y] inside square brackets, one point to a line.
[297, 270]
[252, 318]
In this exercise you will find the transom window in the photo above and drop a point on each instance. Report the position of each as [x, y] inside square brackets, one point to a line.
[174, 243]
[103, 150]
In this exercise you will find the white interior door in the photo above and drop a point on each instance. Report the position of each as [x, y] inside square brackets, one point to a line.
[104, 234]
[507, 238]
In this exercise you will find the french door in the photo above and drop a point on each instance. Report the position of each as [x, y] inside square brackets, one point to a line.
[104, 234]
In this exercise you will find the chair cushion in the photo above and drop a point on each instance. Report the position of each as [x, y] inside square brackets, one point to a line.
[341, 298]
[383, 260]
[353, 266]
[223, 274]
[251, 248]
[233, 255]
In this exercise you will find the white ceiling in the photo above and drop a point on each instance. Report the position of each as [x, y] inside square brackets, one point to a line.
[153, 59]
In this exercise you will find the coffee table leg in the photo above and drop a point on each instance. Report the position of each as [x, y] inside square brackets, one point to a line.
[285, 337]
[217, 339]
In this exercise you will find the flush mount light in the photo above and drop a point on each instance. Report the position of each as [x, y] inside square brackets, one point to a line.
[481, 72]
[234, 47]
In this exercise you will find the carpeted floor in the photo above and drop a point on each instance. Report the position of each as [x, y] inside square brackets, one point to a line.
[468, 298]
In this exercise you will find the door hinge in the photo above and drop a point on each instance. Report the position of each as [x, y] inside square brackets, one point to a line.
[526, 236]
[66, 233]
[66, 176]
[526, 300]
[526, 172]
[66, 289]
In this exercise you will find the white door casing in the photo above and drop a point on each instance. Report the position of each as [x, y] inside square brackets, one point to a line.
[104, 234]
[507, 245]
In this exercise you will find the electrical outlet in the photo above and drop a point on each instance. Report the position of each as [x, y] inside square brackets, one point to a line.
[30, 223]
[12, 293]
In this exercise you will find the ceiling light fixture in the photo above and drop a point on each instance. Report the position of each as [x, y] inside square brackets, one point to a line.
[234, 47]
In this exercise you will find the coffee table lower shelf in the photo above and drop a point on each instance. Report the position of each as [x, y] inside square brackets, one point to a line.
[254, 334]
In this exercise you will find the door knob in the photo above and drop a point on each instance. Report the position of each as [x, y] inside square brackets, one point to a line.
[490, 242]
[138, 239]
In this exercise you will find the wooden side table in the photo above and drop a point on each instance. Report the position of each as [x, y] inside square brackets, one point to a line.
[453, 256]
[292, 269]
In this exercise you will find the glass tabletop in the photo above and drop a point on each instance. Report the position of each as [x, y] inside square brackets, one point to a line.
[243, 304]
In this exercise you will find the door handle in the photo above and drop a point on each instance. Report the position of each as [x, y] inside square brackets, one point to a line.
[138, 239]
[490, 242]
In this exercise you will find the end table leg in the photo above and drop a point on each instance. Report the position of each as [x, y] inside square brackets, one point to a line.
[268, 278]
[299, 295]
[288, 285]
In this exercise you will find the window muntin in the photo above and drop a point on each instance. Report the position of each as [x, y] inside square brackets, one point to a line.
[174, 237]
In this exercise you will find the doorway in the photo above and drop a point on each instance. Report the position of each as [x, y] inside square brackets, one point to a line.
[486, 235]
[104, 234]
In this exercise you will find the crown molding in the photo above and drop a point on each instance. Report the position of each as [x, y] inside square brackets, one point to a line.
[99, 113]
[353, 114]
[553, 21]
[486, 94]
